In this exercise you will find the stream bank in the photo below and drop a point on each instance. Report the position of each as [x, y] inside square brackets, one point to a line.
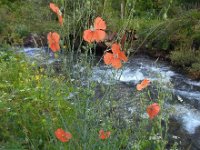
[184, 103]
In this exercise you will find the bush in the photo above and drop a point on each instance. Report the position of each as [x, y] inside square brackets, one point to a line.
[183, 58]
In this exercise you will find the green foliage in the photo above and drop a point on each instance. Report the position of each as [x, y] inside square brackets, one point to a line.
[196, 66]
[28, 105]
[179, 29]
[18, 19]
[177, 37]
[183, 58]
[36, 101]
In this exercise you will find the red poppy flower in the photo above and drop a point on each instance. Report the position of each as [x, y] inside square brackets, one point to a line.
[53, 39]
[56, 10]
[104, 135]
[60, 19]
[62, 135]
[143, 84]
[115, 57]
[153, 110]
[96, 33]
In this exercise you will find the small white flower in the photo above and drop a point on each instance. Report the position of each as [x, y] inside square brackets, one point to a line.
[180, 99]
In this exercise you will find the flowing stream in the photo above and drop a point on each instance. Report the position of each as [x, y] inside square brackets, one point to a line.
[186, 92]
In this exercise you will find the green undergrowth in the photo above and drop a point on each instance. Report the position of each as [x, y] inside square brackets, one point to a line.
[176, 38]
[20, 19]
[36, 100]
[31, 103]
[166, 29]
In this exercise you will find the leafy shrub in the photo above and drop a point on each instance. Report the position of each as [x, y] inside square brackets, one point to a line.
[183, 58]
[196, 66]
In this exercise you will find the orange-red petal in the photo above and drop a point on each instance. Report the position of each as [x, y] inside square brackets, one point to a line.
[123, 57]
[99, 35]
[143, 84]
[116, 63]
[108, 58]
[54, 8]
[62, 135]
[104, 135]
[55, 47]
[139, 87]
[53, 39]
[99, 24]
[153, 110]
[56, 37]
[60, 18]
[115, 48]
[88, 35]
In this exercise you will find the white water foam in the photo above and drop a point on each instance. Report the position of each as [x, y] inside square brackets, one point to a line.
[189, 117]
[108, 75]
[194, 83]
[30, 49]
[164, 74]
[189, 94]
[129, 75]
[105, 74]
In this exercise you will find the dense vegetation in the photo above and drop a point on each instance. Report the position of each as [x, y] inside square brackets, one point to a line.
[36, 99]
[170, 28]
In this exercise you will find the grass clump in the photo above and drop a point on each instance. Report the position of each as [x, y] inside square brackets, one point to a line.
[29, 107]
[183, 58]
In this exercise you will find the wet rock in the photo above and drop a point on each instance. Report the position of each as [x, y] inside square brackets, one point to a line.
[35, 40]
[195, 75]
